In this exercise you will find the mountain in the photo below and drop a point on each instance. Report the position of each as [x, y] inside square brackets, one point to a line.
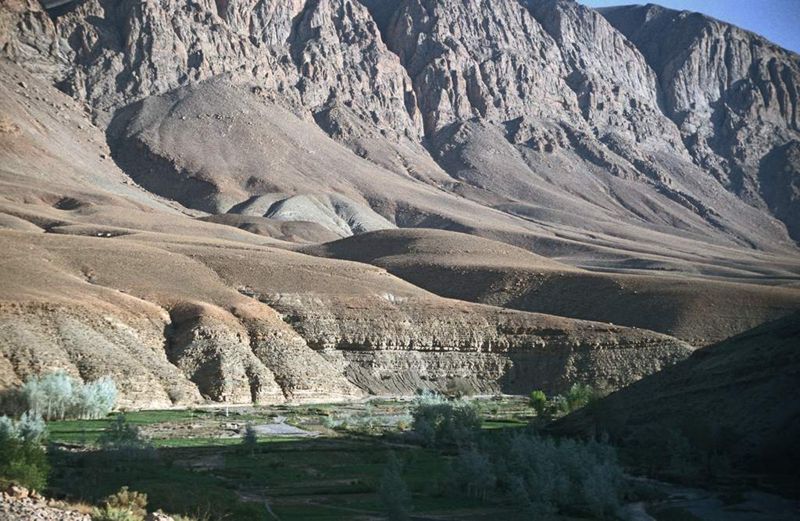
[214, 177]
[743, 386]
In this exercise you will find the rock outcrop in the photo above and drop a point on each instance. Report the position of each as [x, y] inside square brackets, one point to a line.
[173, 322]
[570, 103]
[732, 94]
[455, 265]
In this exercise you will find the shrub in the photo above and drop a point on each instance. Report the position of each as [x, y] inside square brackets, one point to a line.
[107, 513]
[538, 400]
[123, 438]
[23, 460]
[124, 505]
[439, 423]
[393, 491]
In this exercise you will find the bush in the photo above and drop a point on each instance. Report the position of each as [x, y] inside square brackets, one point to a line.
[125, 505]
[23, 460]
[439, 422]
[123, 438]
[538, 400]
[108, 513]
[59, 396]
[393, 491]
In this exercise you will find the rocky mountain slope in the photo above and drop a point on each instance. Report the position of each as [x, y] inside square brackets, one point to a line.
[192, 193]
[742, 387]
[734, 97]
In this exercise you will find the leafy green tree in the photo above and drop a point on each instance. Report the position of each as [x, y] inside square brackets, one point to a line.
[439, 422]
[538, 400]
[579, 395]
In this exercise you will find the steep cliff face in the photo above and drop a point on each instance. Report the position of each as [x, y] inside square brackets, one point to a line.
[733, 94]
[616, 89]
[457, 76]
[586, 124]
[119, 52]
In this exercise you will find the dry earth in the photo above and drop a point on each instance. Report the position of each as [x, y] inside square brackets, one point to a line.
[203, 200]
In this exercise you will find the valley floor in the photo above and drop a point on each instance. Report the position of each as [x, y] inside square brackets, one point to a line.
[325, 462]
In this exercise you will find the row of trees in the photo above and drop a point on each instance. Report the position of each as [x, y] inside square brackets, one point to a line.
[57, 396]
[578, 396]
[437, 422]
[541, 475]
[23, 458]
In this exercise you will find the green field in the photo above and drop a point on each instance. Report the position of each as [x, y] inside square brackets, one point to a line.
[196, 467]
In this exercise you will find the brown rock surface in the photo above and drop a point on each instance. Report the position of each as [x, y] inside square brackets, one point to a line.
[700, 311]
[125, 124]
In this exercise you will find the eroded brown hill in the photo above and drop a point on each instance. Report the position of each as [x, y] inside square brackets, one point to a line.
[698, 310]
[161, 162]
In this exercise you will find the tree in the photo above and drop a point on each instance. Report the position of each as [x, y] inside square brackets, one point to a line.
[58, 396]
[393, 491]
[538, 400]
[123, 438]
[22, 458]
[98, 398]
[439, 423]
[474, 474]
[250, 439]
[579, 395]
[29, 428]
